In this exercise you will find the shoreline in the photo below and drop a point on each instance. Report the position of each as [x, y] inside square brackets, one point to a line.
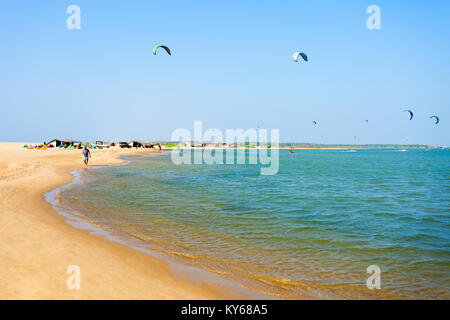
[179, 270]
[38, 245]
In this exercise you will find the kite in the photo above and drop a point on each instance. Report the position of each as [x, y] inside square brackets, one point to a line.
[437, 119]
[411, 114]
[295, 56]
[164, 47]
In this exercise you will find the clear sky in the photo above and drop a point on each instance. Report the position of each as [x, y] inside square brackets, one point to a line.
[231, 66]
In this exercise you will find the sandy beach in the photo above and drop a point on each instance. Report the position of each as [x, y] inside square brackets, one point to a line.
[37, 245]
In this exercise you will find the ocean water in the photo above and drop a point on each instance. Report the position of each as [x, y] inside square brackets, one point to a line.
[311, 230]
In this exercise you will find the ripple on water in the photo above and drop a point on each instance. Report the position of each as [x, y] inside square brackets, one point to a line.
[312, 230]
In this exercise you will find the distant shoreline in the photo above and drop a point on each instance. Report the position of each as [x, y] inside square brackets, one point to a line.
[366, 147]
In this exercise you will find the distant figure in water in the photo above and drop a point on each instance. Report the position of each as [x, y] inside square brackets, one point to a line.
[86, 155]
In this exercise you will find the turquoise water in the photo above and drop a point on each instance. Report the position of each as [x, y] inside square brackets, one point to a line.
[311, 230]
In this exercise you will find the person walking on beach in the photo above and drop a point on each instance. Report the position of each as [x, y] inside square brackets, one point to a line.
[86, 155]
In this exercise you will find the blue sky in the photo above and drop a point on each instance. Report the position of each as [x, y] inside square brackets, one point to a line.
[231, 67]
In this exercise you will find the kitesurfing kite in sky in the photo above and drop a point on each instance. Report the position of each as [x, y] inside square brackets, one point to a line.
[161, 46]
[301, 54]
[411, 114]
[436, 117]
